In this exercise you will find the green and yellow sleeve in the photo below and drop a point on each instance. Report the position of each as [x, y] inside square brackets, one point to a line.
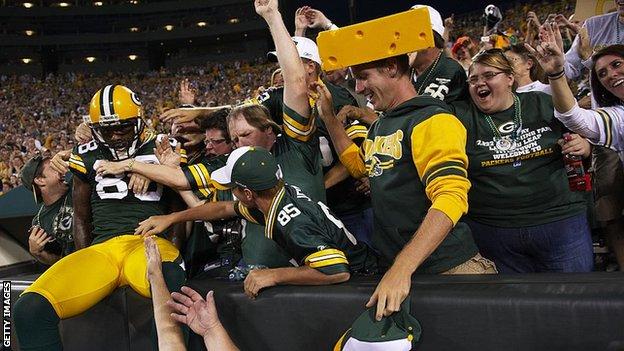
[353, 160]
[296, 126]
[439, 154]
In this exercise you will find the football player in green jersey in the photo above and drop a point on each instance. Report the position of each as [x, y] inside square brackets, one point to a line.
[324, 251]
[106, 211]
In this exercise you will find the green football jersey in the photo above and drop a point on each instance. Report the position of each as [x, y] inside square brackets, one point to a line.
[115, 208]
[445, 80]
[298, 155]
[521, 182]
[198, 175]
[57, 220]
[311, 234]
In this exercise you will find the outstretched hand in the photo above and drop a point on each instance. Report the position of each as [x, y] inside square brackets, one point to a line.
[266, 8]
[547, 52]
[152, 254]
[191, 309]
[165, 154]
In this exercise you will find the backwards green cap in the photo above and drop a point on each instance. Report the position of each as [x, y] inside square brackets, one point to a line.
[249, 167]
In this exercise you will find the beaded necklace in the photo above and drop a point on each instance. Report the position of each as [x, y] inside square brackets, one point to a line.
[433, 67]
[505, 143]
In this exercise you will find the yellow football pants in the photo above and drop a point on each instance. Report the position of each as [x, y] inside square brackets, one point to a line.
[80, 280]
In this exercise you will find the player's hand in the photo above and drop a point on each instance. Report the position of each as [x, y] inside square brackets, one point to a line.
[59, 162]
[548, 53]
[165, 154]
[575, 145]
[112, 168]
[317, 19]
[83, 133]
[324, 103]
[191, 309]
[37, 239]
[532, 19]
[393, 288]
[138, 183]
[153, 225]
[258, 279]
[363, 186]
[180, 115]
[186, 95]
[152, 255]
[266, 8]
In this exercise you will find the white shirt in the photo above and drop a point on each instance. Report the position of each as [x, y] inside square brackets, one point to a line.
[602, 126]
[535, 86]
[602, 31]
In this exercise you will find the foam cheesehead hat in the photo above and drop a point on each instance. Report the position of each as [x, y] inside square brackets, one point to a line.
[434, 16]
[305, 47]
[249, 167]
[28, 173]
[377, 39]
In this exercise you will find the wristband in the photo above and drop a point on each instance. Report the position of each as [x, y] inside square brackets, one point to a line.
[130, 165]
[556, 75]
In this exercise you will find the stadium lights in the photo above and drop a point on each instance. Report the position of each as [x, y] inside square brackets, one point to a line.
[169, 27]
[98, 3]
[26, 60]
[28, 5]
[63, 4]
[201, 24]
[134, 29]
[29, 32]
[90, 59]
[134, 2]
[233, 20]
[132, 57]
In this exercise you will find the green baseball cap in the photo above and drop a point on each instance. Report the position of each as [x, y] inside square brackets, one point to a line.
[27, 175]
[249, 167]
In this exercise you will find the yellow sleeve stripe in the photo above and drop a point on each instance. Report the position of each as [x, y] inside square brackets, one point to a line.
[204, 171]
[606, 120]
[78, 162]
[294, 135]
[202, 183]
[303, 128]
[76, 157]
[357, 131]
[327, 257]
[77, 167]
[295, 127]
[244, 211]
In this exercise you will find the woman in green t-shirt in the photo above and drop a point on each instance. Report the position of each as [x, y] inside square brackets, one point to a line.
[521, 211]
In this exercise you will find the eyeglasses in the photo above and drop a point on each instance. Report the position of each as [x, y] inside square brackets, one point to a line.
[214, 141]
[487, 76]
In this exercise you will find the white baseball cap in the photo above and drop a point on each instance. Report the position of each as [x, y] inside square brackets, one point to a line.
[436, 19]
[306, 47]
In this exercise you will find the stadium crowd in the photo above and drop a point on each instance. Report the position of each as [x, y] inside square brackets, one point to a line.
[481, 134]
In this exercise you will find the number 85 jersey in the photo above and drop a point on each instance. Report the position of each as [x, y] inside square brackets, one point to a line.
[115, 208]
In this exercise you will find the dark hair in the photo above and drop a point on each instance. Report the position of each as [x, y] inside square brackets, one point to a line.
[536, 72]
[217, 121]
[438, 41]
[599, 92]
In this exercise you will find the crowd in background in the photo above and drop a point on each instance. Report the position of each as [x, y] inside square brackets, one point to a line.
[40, 115]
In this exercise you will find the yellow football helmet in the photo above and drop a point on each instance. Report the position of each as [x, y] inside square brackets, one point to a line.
[115, 118]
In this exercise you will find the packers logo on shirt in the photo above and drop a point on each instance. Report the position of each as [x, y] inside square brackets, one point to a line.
[381, 148]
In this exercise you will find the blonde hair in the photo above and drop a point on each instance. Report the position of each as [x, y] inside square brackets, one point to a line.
[493, 58]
